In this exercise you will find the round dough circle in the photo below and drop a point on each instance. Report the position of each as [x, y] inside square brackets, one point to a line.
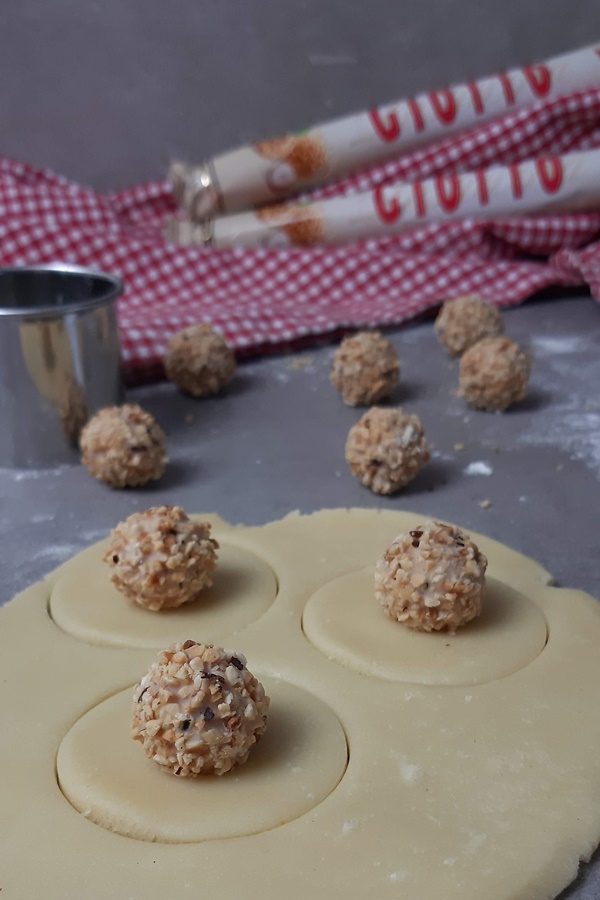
[300, 759]
[344, 621]
[86, 605]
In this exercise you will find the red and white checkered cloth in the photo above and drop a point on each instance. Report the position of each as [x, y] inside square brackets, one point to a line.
[270, 298]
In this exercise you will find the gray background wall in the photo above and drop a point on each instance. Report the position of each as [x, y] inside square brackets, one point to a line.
[107, 91]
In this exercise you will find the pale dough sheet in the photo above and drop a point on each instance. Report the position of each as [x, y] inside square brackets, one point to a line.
[471, 776]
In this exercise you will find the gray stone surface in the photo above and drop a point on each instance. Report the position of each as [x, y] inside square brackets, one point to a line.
[106, 92]
[275, 442]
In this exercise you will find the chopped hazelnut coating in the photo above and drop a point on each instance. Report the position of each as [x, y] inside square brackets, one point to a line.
[198, 710]
[199, 360]
[493, 374]
[386, 448]
[364, 368]
[432, 578]
[160, 558]
[123, 446]
[464, 321]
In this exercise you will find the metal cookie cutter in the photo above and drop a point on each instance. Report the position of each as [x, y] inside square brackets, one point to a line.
[59, 359]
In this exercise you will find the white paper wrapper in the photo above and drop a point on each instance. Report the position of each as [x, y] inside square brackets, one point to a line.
[547, 184]
[275, 169]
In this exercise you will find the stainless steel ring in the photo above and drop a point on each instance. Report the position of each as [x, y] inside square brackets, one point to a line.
[59, 359]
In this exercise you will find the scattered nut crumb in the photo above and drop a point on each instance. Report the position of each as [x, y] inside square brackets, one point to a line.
[189, 419]
[459, 447]
[485, 504]
[299, 362]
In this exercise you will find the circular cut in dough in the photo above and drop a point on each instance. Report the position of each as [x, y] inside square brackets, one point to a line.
[86, 605]
[344, 621]
[299, 761]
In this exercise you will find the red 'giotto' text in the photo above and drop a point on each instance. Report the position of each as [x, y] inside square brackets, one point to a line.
[448, 190]
[444, 103]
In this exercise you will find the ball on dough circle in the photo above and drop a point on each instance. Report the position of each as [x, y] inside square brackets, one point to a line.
[160, 558]
[198, 710]
[386, 448]
[123, 446]
[431, 578]
[493, 374]
[464, 321]
[364, 368]
[199, 360]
